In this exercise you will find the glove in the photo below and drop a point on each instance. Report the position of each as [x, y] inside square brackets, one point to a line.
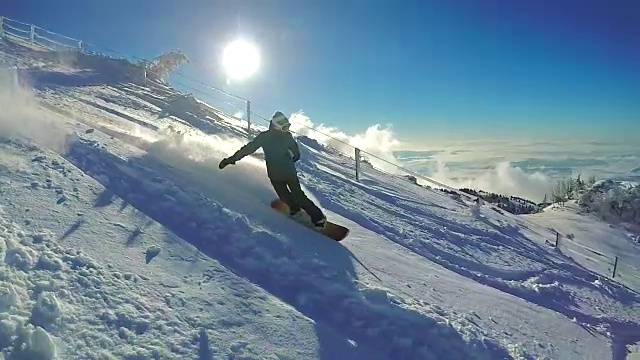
[293, 157]
[225, 162]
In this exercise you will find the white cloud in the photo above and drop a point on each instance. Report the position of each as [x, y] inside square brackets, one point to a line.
[503, 179]
[376, 140]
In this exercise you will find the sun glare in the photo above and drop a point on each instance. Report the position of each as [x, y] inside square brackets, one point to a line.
[240, 59]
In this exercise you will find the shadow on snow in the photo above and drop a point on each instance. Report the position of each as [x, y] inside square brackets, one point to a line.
[293, 267]
[406, 217]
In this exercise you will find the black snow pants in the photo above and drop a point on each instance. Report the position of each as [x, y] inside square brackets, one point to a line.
[291, 193]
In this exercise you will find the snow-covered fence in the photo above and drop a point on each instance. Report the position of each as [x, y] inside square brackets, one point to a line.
[600, 262]
[34, 35]
[627, 274]
[37, 35]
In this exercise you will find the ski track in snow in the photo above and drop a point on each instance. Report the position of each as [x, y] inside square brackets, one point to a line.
[314, 288]
[134, 311]
[144, 249]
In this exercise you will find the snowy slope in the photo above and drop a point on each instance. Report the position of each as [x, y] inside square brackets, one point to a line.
[592, 242]
[130, 172]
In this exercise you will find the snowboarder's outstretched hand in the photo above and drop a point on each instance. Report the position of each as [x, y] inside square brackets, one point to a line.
[225, 162]
[294, 156]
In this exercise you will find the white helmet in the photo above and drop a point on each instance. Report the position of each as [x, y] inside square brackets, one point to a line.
[280, 122]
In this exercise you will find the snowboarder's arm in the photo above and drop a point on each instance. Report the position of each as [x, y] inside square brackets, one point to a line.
[248, 149]
[295, 150]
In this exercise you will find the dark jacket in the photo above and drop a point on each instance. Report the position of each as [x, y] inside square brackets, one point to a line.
[280, 152]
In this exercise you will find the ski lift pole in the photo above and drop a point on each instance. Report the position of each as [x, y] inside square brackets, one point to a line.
[248, 118]
[358, 159]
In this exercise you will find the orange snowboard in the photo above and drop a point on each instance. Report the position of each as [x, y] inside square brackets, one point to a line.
[331, 230]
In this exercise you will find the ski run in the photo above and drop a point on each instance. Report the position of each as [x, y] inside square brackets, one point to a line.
[121, 239]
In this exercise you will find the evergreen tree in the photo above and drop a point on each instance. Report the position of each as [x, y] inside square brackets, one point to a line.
[580, 185]
[569, 188]
[559, 192]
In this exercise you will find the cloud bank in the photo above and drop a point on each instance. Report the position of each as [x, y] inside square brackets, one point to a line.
[527, 169]
[503, 178]
[521, 168]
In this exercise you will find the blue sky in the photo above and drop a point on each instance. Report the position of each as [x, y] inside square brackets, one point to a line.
[433, 69]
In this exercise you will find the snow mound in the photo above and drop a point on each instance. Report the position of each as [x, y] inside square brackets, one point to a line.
[26, 307]
[46, 289]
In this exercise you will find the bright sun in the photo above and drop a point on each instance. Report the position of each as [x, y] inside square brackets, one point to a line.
[240, 59]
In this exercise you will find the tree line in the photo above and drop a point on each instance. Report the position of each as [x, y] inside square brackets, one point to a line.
[612, 200]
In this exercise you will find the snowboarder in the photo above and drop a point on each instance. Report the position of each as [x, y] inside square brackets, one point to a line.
[281, 152]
